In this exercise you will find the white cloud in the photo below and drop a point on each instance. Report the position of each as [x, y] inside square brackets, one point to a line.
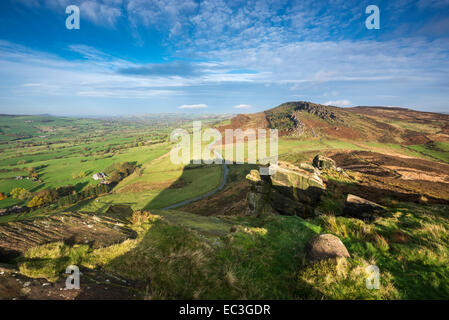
[193, 106]
[242, 106]
[100, 13]
[338, 103]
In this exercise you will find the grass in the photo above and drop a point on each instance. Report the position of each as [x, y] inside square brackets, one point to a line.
[196, 257]
[192, 257]
[49, 260]
[187, 256]
[158, 176]
[382, 147]
[69, 151]
[436, 150]
[409, 245]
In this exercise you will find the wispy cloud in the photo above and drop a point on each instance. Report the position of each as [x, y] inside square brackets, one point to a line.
[242, 106]
[193, 106]
[175, 68]
[338, 103]
[105, 14]
[224, 52]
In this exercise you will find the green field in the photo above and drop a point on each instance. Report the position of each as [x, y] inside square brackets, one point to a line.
[63, 151]
[436, 150]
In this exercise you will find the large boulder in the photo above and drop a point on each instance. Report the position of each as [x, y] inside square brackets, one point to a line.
[323, 163]
[290, 190]
[360, 208]
[258, 197]
[297, 183]
[325, 246]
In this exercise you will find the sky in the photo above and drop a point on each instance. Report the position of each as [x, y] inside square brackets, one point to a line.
[132, 57]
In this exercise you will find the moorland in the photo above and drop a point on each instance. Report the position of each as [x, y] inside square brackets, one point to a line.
[135, 235]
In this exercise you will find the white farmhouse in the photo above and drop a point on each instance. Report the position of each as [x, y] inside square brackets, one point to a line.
[99, 176]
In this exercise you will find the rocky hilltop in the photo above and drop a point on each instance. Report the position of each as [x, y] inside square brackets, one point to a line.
[383, 124]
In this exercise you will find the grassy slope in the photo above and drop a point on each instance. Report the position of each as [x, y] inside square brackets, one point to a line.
[61, 172]
[158, 176]
[187, 257]
[436, 150]
[68, 151]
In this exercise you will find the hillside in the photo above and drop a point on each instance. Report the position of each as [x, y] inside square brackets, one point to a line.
[129, 246]
[387, 125]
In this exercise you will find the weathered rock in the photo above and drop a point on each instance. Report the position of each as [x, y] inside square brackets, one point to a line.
[323, 163]
[290, 190]
[360, 208]
[74, 228]
[13, 210]
[308, 167]
[325, 246]
[298, 185]
[287, 206]
[258, 197]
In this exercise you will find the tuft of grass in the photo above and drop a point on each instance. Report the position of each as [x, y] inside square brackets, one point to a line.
[197, 257]
[409, 243]
[49, 260]
[343, 279]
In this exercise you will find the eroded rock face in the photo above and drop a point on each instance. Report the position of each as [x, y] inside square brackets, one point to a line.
[13, 210]
[325, 246]
[291, 190]
[74, 228]
[360, 208]
[258, 197]
[323, 163]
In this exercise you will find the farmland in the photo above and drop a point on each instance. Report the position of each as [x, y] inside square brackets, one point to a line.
[214, 247]
[69, 151]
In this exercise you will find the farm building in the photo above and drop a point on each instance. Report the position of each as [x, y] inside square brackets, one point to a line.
[99, 176]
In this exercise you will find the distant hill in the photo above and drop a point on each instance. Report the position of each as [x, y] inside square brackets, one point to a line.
[382, 124]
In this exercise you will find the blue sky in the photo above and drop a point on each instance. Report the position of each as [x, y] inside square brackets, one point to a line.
[146, 56]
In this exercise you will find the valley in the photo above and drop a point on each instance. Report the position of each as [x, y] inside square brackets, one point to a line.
[239, 238]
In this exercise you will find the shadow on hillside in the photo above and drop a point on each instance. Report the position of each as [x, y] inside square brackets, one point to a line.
[80, 185]
[176, 263]
[167, 198]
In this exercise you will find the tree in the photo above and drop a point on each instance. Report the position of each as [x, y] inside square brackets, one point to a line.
[65, 190]
[20, 193]
[43, 198]
[119, 171]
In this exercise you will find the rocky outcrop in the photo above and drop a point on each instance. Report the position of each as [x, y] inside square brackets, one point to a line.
[259, 195]
[360, 208]
[325, 246]
[323, 163]
[13, 210]
[74, 228]
[291, 190]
